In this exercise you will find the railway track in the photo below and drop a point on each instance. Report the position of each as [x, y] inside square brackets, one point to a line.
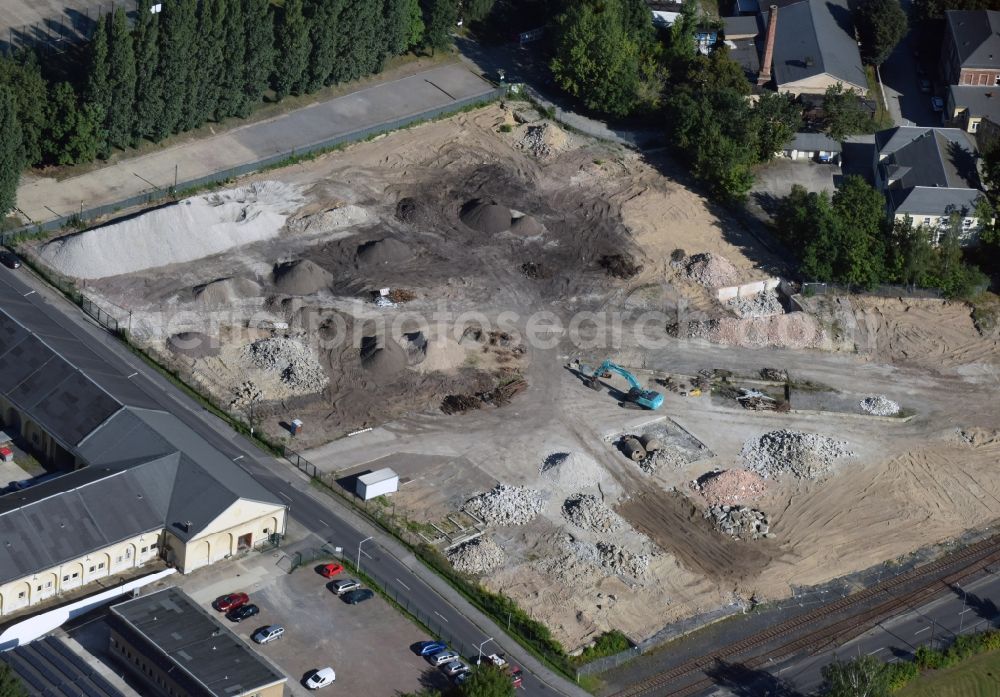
[936, 576]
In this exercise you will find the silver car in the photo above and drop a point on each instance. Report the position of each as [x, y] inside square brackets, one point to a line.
[345, 585]
[442, 657]
[454, 668]
[265, 635]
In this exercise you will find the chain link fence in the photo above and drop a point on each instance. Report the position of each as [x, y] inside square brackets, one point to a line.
[74, 25]
[882, 291]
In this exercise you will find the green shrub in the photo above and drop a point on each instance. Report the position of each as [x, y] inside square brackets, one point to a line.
[927, 658]
[506, 128]
[607, 644]
[899, 674]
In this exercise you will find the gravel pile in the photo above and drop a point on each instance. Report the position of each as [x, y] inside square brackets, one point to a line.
[879, 405]
[477, 556]
[328, 221]
[792, 330]
[664, 457]
[588, 512]
[296, 364]
[805, 455]
[730, 486]
[740, 522]
[505, 505]
[571, 472]
[542, 140]
[619, 560]
[711, 270]
[763, 304]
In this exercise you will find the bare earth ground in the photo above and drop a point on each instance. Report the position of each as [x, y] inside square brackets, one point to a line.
[911, 482]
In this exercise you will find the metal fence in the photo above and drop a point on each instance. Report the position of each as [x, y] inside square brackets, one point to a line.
[172, 192]
[882, 291]
[601, 665]
[74, 25]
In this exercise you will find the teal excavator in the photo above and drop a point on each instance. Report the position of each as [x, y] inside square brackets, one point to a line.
[648, 399]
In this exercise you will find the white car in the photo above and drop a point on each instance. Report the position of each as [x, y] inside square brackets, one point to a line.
[321, 678]
[442, 657]
[345, 585]
[265, 635]
[454, 668]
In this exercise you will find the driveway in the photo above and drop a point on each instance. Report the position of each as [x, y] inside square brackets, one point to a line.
[774, 181]
[901, 83]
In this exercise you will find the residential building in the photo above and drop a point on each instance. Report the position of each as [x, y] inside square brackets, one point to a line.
[970, 51]
[818, 147]
[177, 649]
[929, 174]
[741, 35]
[967, 106]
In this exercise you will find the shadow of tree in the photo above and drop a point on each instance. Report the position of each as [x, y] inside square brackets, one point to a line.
[749, 682]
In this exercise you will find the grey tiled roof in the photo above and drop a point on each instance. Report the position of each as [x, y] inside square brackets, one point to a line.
[975, 33]
[980, 101]
[813, 142]
[815, 37]
[49, 668]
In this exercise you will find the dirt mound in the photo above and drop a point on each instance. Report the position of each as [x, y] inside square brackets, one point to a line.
[386, 251]
[193, 345]
[225, 292]
[382, 360]
[477, 556]
[711, 270]
[410, 210]
[730, 486]
[527, 226]
[804, 455]
[486, 216]
[302, 277]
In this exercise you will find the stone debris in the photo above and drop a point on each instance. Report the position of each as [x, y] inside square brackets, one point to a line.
[505, 505]
[571, 472]
[588, 512]
[804, 455]
[621, 561]
[763, 304]
[477, 556]
[730, 486]
[792, 330]
[740, 522]
[710, 270]
[297, 366]
[542, 140]
[879, 405]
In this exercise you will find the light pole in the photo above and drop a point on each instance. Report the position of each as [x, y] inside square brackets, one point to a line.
[358, 567]
[480, 661]
[961, 622]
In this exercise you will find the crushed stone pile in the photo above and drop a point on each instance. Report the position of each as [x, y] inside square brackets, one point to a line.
[542, 140]
[486, 216]
[619, 560]
[730, 486]
[763, 304]
[804, 455]
[302, 277]
[328, 221]
[505, 505]
[198, 227]
[571, 472]
[477, 556]
[879, 405]
[297, 366]
[792, 330]
[588, 512]
[740, 522]
[711, 270]
[664, 457]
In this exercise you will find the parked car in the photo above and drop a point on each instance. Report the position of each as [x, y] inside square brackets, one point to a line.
[345, 585]
[358, 596]
[442, 657]
[331, 570]
[431, 647]
[937, 104]
[460, 678]
[265, 635]
[454, 668]
[321, 678]
[10, 260]
[925, 85]
[242, 612]
[230, 602]
[515, 676]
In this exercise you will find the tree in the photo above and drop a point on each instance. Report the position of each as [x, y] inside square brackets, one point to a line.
[865, 676]
[231, 74]
[476, 10]
[322, 58]
[361, 36]
[120, 121]
[596, 60]
[148, 80]
[487, 681]
[776, 118]
[882, 25]
[206, 83]
[404, 26]
[844, 114]
[97, 91]
[416, 31]
[10, 684]
[178, 26]
[71, 136]
[11, 151]
[24, 79]
[860, 250]
[911, 256]
[258, 46]
[291, 44]
[440, 17]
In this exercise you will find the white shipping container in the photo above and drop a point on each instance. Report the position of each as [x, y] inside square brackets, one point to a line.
[377, 483]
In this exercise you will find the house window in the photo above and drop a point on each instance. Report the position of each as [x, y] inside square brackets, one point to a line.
[153, 546]
[101, 565]
[65, 578]
[973, 126]
[92, 569]
[143, 550]
[48, 584]
[927, 221]
[76, 574]
[39, 588]
[119, 559]
[996, 80]
[267, 530]
[20, 595]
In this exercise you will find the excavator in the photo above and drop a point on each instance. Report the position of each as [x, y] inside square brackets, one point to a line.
[648, 399]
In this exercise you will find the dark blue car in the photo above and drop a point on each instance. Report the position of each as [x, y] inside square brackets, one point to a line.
[429, 647]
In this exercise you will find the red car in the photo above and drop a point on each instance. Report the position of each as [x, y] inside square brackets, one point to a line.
[231, 602]
[330, 570]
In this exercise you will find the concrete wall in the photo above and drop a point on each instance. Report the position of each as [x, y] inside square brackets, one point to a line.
[227, 535]
[730, 292]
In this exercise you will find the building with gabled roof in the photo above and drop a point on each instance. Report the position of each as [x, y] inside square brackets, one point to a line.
[970, 52]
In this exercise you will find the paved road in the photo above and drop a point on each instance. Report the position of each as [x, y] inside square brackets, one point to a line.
[329, 519]
[901, 81]
[43, 199]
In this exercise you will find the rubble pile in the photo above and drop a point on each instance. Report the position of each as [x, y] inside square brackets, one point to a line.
[710, 270]
[505, 505]
[477, 556]
[621, 561]
[879, 405]
[763, 304]
[730, 486]
[588, 512]
[571, 472]
[664, 457]
[297, 365]
[542, 140]
[740, 522]
[805, 455]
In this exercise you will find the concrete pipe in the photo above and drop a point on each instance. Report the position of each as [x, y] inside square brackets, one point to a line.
[633, 448]
[650, 443]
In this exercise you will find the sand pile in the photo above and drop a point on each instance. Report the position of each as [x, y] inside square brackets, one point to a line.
[328, 221]
[711, 270]
[571, 472]
[588, 512]
[505, 505]
[486, 216]
[730, 486]
[193, 345]
[879, 405]
[804, 455]
[225, 292]
[444, 354]
[384, 252]
[382, 359]
[477, 556]
[763, 304]
[302, 277]
[527, 226]
[296, 365]
[194, 228]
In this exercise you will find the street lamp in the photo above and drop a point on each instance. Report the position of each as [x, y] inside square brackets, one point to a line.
[480, 661]
[358, 567]
[961, 622]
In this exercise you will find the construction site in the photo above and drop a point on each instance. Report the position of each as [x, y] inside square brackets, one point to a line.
[601, 397]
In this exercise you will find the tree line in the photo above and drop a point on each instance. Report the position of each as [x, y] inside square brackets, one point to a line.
[194, 62]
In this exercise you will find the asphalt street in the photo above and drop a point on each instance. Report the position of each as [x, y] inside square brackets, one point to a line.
[23, 294]
[901, 82]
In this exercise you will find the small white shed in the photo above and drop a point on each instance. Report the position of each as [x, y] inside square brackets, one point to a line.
[377, 483]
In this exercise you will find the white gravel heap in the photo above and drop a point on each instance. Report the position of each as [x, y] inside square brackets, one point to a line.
[570, 472]
[477, 556]
[711, 270]
[879, 405]
[740, 522]
[805, 455]
[297, 365]
[194, 228]
[763, 304]
[505, 505]
[588, 512]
